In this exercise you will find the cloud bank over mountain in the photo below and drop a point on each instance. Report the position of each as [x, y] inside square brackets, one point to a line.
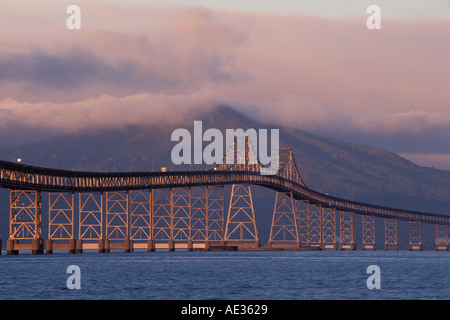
[138, 63]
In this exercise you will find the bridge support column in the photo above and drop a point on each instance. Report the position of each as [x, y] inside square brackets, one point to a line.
[37, 246]
[72, 246]
[215, 214]
[347, 231]
[315, 226]
[60, 221]
[241, 223]
[128, 245]
[368, 233]
[141, 216]
[49, 246]
[415, 236]
[198, 217]
[101, 246]
[329, 228]
[117, 213]
[151, 246]
[207, 245]
[25, 221]
[90, 215]
[442, 237]
[190, 245]
[284, 231]
[181, 222]
[171, 245]
[10, 250]
[390, 234]
[161, 219]
[302, 214]
[106, 245]
[79, 246]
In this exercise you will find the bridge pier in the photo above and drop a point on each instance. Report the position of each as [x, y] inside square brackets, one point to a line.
[101, 246]
[284, 246]
[37, 246]
[284, 230]
[190, 245]
[329, 228]
[415, 236]
[247, 246]
[347, 246]
[241, 227]
[52, 245]
[79, 246]
[442, 239]
[107, 245]
[25, 221]
[13, 246]
[128, 244]
[347, 231]
[151, 246]
[368, 247]
[418, 247]
[171, 245]
[390, 234]
[314, 229]
[368, 232]
[117, 221]
[72, 246]
[49, 246]
[10, 250]
[442, 247]
[391, 247]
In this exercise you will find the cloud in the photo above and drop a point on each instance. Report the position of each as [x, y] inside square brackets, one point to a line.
[104, 112]
[73, 70]
[130, 62]
[439, 160]
[181, 50]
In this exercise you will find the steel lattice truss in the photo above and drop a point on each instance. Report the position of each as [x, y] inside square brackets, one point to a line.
[23, 177]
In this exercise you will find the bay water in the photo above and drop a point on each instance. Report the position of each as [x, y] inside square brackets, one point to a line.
[242, 275]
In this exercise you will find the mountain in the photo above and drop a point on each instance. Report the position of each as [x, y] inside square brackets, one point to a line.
[346, 170]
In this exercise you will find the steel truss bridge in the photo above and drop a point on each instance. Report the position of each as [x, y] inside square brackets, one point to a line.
[185, 209]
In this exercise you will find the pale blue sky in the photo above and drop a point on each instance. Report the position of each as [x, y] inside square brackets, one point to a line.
[396, 9]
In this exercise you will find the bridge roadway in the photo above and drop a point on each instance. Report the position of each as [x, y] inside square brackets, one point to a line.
[19, 176]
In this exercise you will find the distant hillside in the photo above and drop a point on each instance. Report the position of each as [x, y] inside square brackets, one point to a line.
[338, 168]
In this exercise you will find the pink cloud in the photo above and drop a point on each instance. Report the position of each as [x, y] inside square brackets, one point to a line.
[132, 61]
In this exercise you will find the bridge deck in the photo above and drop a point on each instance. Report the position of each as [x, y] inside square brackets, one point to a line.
[19, 176]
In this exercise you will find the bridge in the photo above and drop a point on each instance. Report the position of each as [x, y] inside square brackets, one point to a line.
[186, 210]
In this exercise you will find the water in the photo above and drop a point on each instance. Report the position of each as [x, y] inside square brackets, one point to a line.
[258, 275]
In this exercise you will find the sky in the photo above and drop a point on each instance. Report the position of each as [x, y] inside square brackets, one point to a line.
[313, 65]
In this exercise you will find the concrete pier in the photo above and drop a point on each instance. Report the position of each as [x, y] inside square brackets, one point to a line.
[283, 246]
[79, 246]
[49, 246]
[150, 245]
[347, 246]
[128, 245]
[171, 245]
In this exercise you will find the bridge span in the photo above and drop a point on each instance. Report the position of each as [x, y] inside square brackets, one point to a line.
[185, 209]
